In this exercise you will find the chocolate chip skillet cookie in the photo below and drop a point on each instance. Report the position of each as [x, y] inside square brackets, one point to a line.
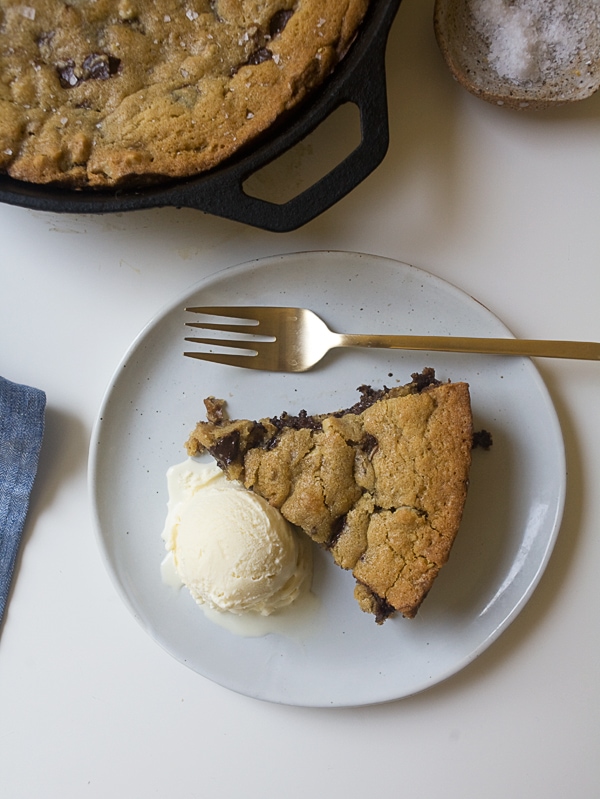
[102, 93]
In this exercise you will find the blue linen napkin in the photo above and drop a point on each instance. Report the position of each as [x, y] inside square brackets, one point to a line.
[21, 430]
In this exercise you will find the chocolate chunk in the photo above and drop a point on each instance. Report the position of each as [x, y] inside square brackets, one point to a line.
[100, 66]
[369, 444]
[381, 607]
[260, 55]
[279, 20]
[483, 439]
[227, 449]
[336, 531]
[96, 66]
[257, 436]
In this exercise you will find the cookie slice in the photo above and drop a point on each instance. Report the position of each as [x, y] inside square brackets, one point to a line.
[381, 485]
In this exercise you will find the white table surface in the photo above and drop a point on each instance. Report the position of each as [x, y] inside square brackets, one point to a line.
[505, 205]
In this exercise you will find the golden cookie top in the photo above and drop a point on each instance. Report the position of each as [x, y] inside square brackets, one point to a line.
[98, 93]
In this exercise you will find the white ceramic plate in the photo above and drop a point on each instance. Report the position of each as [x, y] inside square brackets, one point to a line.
[341, 657]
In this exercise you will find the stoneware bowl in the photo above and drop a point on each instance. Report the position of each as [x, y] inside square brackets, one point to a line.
[525, 55]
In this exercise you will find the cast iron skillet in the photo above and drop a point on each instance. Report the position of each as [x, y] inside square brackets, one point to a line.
[359, 79]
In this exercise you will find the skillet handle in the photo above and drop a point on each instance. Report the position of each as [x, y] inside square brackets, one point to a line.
[364, 85]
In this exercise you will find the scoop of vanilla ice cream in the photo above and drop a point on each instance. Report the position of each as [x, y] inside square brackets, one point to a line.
[230, 548]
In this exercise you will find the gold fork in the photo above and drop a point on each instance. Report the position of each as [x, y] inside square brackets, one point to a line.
[295, 339]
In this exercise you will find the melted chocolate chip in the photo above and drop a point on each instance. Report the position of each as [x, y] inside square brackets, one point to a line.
[259, 56]
[369, 444]
[368, 396]
[300, 422]
[336, 531]
[383, 609]
[271, 443]
[257, 436]
[279, 20]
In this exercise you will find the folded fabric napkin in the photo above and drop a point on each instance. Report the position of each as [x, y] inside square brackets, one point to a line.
[21, 430]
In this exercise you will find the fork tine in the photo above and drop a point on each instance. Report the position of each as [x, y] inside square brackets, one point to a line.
[230, 343]
[262, 348]
[234, 312]
[250, 329]
[262, 314]
[228, 360]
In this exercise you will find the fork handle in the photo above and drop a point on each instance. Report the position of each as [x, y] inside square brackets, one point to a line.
[582, 350]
